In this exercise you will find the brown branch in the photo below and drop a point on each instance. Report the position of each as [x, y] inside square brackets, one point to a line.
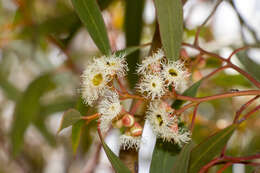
[237, 50]
[243, 107]
[194, 117]
[249, 114]
[224, 167]
[244, 73]
[205, 22]
[217, 96]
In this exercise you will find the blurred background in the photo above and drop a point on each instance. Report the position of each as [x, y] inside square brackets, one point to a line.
[44, 48]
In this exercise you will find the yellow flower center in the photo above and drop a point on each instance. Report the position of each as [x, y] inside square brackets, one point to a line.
[159, 119]
[173, 73]
[97, 79]
[153, 85]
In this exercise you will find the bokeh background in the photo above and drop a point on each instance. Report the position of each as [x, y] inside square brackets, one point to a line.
[44, 47]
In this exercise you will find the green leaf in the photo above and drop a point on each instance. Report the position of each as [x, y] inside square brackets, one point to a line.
[208, 149]
[127, 51]
[250, 66]
[191, 91]
[170, 18]
[69, 118]
[90, 15]
[9, 89]
[226, 80]
[181, 164]
[49, 137]
[133, 30]
[76, 133]
[27, 109]
[59, 105]
[117, 164]
[164, 155]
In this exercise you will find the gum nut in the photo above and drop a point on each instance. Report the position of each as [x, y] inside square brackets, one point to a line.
[136, 130]
[128, 120]
[118, 124]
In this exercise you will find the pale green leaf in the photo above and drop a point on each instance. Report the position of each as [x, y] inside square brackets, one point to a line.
[181, 165]
[117, 164]
[90, 15]
[27, 108]
[170, 19]
[76, 133]
[69, 118]
[208, 149]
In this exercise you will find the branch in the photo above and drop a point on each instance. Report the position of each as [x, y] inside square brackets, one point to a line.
[244, 73]
[244, 106]
[205, 22]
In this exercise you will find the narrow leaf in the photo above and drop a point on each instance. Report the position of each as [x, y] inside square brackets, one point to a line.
[181, 165]
[76, 133]
[250, 66]
[69, 118]
[133, 30]
[164, 155]
[169, 14]
[49, 137]
[27, 109]
[191, 91]
[127, 51]
[208, 149]
[117, 164]
[90, 15]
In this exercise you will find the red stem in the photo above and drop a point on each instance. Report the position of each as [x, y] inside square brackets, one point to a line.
[243, 107]
[249, 114]
[236, 51]
[194, 117]
[224, 167]
[244, 73]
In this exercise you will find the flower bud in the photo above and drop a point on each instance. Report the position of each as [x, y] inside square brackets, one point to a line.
[136, 130]
[118, 124]
[128, 120]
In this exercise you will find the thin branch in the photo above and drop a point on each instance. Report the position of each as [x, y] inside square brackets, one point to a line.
[249, 114]
[194, 117]
[205, 22]
[224, 167]
[217, 96]
[238, 50]
[243, 107]
[244, 73]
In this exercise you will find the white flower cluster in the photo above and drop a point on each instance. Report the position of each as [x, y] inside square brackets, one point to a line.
[127, 142]
[158, 75]
[109, 107]
[164, 124]
[97, 75]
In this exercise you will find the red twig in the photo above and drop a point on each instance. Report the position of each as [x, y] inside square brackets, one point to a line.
[224, 167]
[217, 96]
[216, 71]
[209, 165]
[236, 51]
[135, 107]
[194, 117]
[243, 107]
[205, 22]
[244, 73]
[249, 114]
[122, 87]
